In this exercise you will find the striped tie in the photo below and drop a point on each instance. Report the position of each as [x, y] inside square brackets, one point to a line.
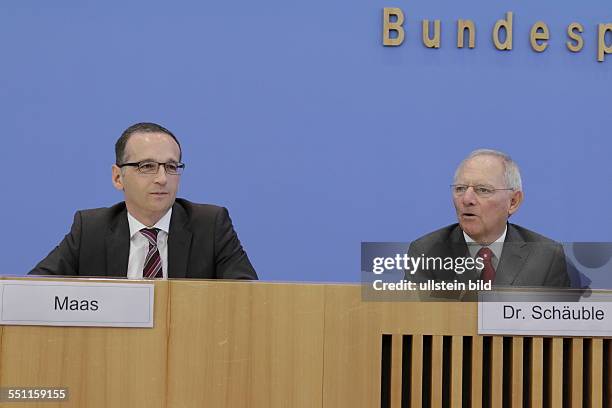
[488, 272]
[152, 266]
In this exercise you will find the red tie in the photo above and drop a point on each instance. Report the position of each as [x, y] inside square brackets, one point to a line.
[152, 266]
[488, 272]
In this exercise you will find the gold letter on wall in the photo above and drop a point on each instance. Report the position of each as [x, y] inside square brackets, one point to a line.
[602, 48]
[431, 42]
[396, 26]
[463, 25]
[507, 25]
[571, 33]
[539, 32]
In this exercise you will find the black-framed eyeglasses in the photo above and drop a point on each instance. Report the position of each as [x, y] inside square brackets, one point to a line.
[481, 190]
[152, 167]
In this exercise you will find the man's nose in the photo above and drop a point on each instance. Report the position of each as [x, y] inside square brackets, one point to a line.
[161, 177]
[469, 197]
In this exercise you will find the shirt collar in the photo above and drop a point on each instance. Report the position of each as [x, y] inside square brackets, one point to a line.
[163, 224]
[497, 246]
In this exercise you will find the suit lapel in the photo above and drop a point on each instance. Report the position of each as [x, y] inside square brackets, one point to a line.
[459, 249]
[457, 240]
[514, 255]
[179, 243]
[117, 244]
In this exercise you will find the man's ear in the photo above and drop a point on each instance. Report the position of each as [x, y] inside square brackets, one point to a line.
[515, 202]
[117, 177]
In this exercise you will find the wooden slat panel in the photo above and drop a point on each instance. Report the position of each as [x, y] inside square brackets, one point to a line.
[608, 402]
[416, 387]
[537, 372]
[456, 371]
[352, 331]
[396, 371]
[102, 367]
[477, 371]
[517, 372]
[556, 372]
[597, 373]
[497, 372]
[436, 371]
[576, 362]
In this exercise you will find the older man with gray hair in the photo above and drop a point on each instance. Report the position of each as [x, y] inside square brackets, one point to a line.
[486, 191]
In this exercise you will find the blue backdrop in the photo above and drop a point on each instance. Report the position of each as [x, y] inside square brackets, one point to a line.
[296, 118]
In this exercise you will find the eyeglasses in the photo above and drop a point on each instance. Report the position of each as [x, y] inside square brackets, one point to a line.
[151, 167]
[481, 190]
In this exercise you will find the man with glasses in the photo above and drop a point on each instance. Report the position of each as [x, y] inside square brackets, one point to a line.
[486, 191]
[152, 234]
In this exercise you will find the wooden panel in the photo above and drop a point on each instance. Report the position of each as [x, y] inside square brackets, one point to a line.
[576, 362]
[352, 348]
[242, 344]
[396, 371]
[102, 367]
[430, 318]
[352, 331]
[416, 386]
[477, 371]
[256, 345]
[517, 372]
[608, 385]
[556, 372]
[497, 372]
[456, 371]
[596, 373]
[537, 372]
[436, 371]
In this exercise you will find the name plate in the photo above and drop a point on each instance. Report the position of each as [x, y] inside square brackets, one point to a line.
[45, 303]
[547, 318]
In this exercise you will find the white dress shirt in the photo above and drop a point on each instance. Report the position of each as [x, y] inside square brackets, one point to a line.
[497, 247]
[139, 245]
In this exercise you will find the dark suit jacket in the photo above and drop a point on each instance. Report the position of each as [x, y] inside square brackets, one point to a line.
[527, 259]
[202, 244]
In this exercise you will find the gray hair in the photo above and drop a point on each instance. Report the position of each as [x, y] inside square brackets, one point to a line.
[511, 170]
